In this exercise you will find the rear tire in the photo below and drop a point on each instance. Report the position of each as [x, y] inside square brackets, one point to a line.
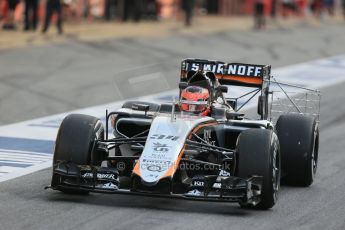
[299, 140]
[75, 143]
[258, 154]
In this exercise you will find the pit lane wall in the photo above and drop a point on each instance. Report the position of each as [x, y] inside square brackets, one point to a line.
[27, 146]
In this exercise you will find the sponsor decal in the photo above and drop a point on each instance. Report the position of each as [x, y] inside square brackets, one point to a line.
[158, 147]
[87, 175]
[217, 68]
[165, 137]
[217, 185]
[106, 176]
[244, 70]
[109, 186]
[195, 192]
[224, 173]
[198, 183]
[208, 137]
[155, 165]
[230, 69]
[155, 168]
[156, 161]
[160, 151]
[159, 156]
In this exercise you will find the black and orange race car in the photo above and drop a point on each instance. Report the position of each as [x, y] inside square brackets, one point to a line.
[199, 148]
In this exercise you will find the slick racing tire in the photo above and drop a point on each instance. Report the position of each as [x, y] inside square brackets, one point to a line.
[299, 142]
[258, 154]
[75, 142]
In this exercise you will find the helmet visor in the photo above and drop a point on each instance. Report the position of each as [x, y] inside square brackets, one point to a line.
[193, 106]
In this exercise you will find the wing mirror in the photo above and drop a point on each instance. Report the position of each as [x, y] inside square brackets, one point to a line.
[222, 88]
[141, 107]
[234, 116]
[232, 103]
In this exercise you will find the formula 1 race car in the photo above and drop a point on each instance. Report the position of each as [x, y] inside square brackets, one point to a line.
[199, 148]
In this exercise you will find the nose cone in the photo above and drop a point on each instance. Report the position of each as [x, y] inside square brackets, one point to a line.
[154, 169]
[149, 183]
[164, 148]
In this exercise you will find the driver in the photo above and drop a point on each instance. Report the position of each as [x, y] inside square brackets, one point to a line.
[195, 99]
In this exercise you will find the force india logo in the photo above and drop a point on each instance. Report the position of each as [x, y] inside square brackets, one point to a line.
[158, 147]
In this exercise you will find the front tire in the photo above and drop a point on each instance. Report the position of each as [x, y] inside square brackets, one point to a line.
[75, 142]
[259, 154]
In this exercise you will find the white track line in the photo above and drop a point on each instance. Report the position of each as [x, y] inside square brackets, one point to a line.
[25, 171]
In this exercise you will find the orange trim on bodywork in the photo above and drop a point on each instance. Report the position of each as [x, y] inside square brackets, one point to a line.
[247, 80]
[136, 169]
[174, 167]
[196, 129]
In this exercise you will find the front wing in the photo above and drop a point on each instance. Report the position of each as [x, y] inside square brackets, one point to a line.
[202, 188]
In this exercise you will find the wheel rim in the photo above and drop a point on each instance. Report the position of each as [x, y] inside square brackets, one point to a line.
[314, 156]
[276, 173]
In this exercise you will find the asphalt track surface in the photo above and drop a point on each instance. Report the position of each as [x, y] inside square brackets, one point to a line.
[25, 205]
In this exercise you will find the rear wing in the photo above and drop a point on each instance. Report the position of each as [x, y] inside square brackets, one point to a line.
[248, 75]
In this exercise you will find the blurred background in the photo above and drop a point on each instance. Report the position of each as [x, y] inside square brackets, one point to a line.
[18, 12]
[61, 55]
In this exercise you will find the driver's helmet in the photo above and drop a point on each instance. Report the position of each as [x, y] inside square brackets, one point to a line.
[194, 99]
